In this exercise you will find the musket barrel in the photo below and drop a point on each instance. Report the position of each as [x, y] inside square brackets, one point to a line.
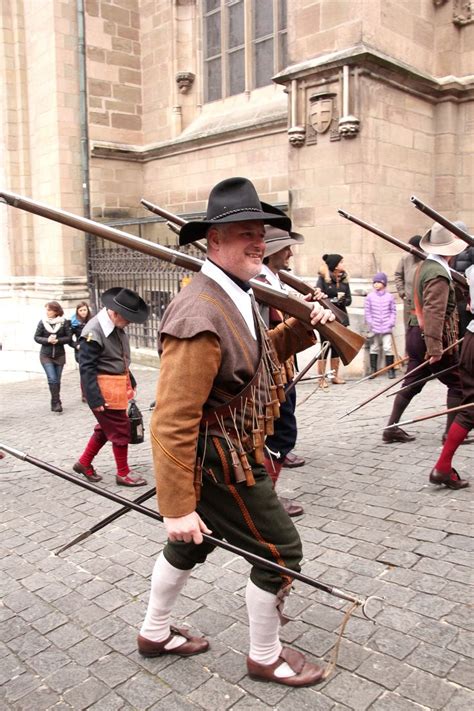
[346, 341]
[441, 220]
[458, 278]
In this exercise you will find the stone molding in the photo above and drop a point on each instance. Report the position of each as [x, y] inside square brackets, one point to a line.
[386, 69]
[180, 145]
[62, 289]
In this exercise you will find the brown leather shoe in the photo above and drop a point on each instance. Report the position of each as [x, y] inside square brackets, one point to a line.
[89, 472]
[192, 645]
[291, 508]
[306, 674]
[396, 434]
[291, 461]
[130, 480]
[452, 481]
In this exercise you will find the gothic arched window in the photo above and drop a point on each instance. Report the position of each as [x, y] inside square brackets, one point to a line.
[244, 45]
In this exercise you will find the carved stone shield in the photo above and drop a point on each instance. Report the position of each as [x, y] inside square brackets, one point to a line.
[320, 112]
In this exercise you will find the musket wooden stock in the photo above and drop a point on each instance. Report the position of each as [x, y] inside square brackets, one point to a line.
[458, 278]
[303, 288]
[347, 342]
[441, 220]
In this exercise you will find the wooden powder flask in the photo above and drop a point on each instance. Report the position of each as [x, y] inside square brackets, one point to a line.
[257, 440]
[237, 465]
[247, 469]
[269, 428]
[274, 401]
[246, 441]
[278, 380]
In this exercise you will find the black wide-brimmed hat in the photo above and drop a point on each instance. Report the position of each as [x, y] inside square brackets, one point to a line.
[126, 303]
[233, 200]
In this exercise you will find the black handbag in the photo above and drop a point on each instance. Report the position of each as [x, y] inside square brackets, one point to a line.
[137, 433]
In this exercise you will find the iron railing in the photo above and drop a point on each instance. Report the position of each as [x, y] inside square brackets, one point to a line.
[156, 281]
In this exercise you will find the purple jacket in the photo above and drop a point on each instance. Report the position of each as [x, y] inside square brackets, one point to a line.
[380, 311]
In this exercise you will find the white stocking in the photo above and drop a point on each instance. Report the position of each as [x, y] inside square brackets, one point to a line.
[264, 625]
[166, 584]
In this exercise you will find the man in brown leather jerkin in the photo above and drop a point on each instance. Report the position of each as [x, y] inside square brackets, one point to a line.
[218, 394]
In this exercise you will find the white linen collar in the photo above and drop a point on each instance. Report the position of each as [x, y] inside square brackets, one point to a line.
[240, 298]
[106, 322]
[272, 278]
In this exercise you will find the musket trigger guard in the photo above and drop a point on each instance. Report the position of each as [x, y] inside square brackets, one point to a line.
[365, 605]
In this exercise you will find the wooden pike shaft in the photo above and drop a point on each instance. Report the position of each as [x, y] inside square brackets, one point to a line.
[424, 380]
[386, 368]
[398, 380]
[468, 406]
[250, 557]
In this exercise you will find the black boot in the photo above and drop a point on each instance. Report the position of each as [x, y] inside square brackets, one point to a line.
[55, 401]
[373, 363]
[389, 361]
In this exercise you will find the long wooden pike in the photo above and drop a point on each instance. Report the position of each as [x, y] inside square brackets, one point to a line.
[385, 369]
[468, 406]
[425, 380]
[347, 342]
[105, 522]
[395, 382]
[219, 543]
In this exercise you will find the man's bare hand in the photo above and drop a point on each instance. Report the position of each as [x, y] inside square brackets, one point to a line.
[186, 528]
[101, 408]
[434, 359]
[317, 294]
[321, 315]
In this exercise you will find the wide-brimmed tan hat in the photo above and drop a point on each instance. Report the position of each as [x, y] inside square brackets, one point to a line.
[439, 240]
[276, 239]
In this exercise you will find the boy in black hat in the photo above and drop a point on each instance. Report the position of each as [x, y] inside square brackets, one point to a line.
[104, 360]
[217, 393]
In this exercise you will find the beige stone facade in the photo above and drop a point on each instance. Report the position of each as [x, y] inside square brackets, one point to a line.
[374, 103]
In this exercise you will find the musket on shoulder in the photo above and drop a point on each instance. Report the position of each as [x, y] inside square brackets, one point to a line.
[347, 342]
[441, 220]
[458, 278]
[289, 279]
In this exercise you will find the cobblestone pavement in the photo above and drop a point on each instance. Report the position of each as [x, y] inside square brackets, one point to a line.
[373, 524]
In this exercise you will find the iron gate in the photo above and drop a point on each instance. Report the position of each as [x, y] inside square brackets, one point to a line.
[156, 281]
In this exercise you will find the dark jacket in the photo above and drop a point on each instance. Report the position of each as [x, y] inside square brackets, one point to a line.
[76, 330]
[331, 286]
[48, 350]
[463, 260]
